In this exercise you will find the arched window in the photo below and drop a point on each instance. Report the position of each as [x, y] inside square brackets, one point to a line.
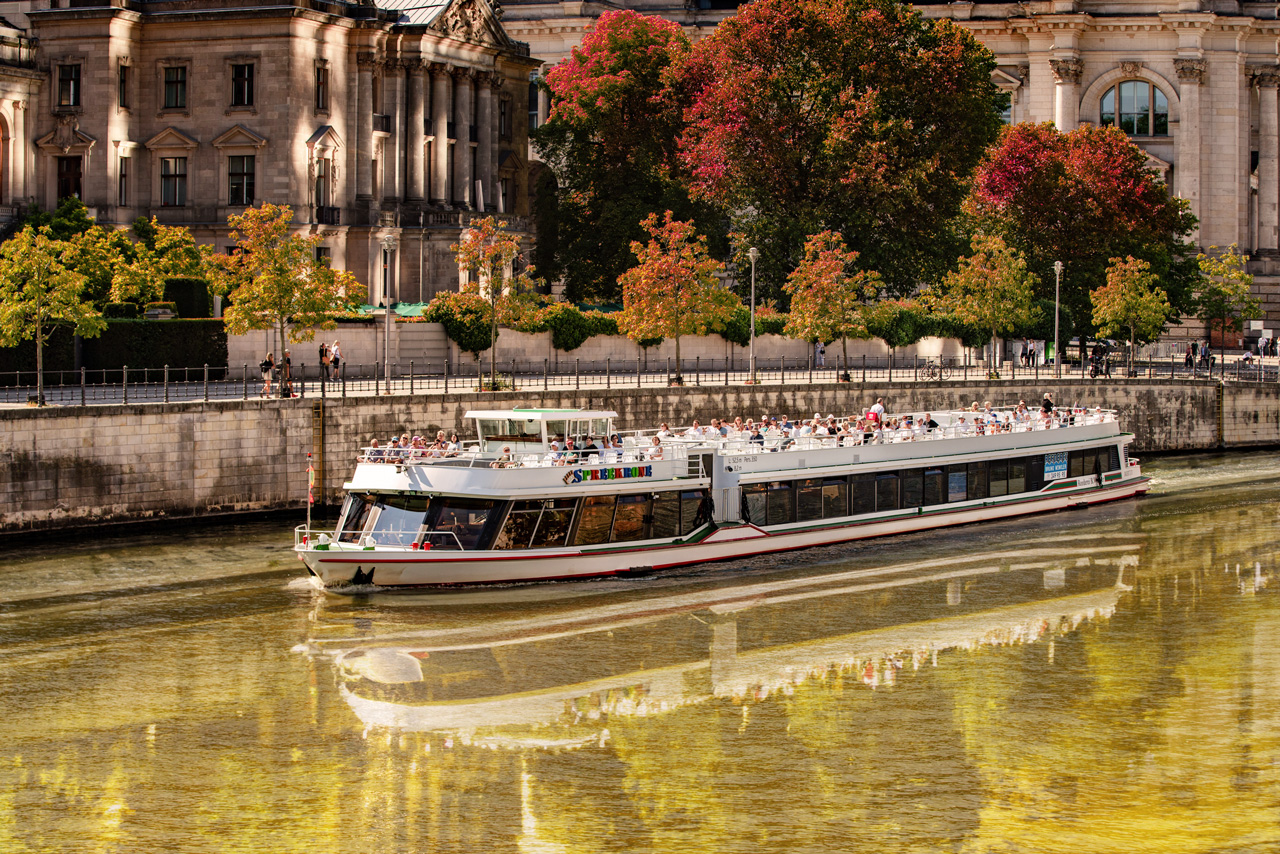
[1143, 110]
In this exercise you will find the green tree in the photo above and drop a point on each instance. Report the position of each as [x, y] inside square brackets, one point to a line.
[275, 280]
[1130, 300]
[37, 291]
[617, 111]
[674, 289]
[1225, 293]
[1084, 198]
[855, 116]
[992, 289]
[487, 251]
[97, 254]
[829, 296]
[69, 219]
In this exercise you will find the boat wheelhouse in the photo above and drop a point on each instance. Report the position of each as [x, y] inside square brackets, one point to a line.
[546, 494]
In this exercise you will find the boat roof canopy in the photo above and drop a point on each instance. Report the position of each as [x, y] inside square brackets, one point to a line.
[540, 414]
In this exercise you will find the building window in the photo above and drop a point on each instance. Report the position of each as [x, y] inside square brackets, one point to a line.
[122, 87]
[69, 172]
[504, 195]
[69, 85]
[324, 256]
[173, 181]
[175, 87]
[322, 89]
[122, 194]
[322, 183]
[533, 101]
[504, 119]
[1137, 107]
[242, 85]
[240, 171]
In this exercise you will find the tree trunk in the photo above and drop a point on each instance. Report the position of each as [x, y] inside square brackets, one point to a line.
[678, 374]
[844, 369]
[1133, 346]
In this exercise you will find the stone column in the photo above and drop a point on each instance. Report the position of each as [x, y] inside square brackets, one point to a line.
[393, 159]
[364, 125]
[415, 178]
[441, 91]
[1191, 77]
[18, 154]
[1066, 94]
[484, 136]
[1268, 159]
[491, 189]
[463, 116]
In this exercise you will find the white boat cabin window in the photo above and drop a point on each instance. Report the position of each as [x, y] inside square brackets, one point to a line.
[443, 522]
[510, 431]
[541, 523]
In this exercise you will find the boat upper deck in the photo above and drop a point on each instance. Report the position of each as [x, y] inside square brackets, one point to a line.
[979, 428]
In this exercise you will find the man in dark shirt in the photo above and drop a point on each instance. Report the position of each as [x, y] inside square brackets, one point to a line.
[929, 424]
[1047, 405]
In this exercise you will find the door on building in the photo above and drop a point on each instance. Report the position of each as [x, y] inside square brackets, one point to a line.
[69, 176]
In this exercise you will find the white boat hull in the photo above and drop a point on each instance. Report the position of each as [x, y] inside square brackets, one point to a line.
[336, 566]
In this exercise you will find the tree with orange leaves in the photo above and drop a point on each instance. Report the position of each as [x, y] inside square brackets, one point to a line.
[829, 296]
[487, 251]
[673, 290]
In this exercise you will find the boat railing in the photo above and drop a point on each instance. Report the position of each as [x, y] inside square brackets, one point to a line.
[311, 538]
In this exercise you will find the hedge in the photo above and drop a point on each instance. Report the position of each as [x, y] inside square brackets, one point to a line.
[191, 296]
[136, 343]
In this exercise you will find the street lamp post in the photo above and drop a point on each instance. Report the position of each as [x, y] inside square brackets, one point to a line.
[754, 254]
[388, 246]
[1057, 288]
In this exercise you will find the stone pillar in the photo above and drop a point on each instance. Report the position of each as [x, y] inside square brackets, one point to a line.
[484, 136]
[1268, 160]
[1191, 78]
[1066, 94]
[364, 125]
[392, 156]
[491, 189]
[415, 178]
[463, 116]
[18, 154]
[441, 91]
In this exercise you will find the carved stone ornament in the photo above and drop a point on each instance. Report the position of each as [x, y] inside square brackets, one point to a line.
[465, 20]
[64, 135]
[1067, 70]
[1265, 75]
[1191, 70]
[1131, 69]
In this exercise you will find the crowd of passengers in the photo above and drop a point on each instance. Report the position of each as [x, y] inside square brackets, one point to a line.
[772, 433]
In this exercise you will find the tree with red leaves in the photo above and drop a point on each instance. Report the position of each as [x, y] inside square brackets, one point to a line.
[856, 116]
[1084, 198]
[674, 289]
[617, 111]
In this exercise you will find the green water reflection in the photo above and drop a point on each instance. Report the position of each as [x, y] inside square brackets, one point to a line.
[1104, 680]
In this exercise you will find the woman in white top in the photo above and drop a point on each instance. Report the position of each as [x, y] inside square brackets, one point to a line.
[655, 449]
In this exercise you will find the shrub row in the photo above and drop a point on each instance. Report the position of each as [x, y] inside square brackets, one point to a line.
[136, 343]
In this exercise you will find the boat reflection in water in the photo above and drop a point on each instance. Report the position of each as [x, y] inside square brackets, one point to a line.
[551, 673]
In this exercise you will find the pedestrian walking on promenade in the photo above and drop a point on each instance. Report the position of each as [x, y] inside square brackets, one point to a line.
[335, 358]
[267, 365]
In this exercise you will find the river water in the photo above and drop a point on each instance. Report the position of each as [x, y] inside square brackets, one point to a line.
[1089, 681]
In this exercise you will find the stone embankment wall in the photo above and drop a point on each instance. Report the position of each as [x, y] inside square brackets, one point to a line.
[69, 467]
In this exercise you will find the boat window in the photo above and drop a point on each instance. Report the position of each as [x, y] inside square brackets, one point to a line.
[835, 498]
[998, 478]
[913, 488]
[1017, 476]
[695, 510]
[862, 494]
[957, 483]
[596, 520]
[935, 485]
[399, 519]
[887, 491]
[556, 428]
[628, 520]
[1035, 473]
[599, 427]
[519, 527]
[1075, 464]
[465, 518]
[1113, 458]
[355, 516]
[977, 481]
[781, 503]
[510, 430]
[666, 515]
[754, 503]
[808, 500]
[554, 524]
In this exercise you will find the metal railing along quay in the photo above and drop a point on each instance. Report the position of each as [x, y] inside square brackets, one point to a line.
[127, 385]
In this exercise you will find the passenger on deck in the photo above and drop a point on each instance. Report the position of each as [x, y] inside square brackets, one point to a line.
[504, 460]
[756, 437]
[570, 455]
[664, 431]
[655, 449]
[374, 453]
[876, 412]
[694, 432]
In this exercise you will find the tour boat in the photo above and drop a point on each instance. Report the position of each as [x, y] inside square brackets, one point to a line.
[517, 505]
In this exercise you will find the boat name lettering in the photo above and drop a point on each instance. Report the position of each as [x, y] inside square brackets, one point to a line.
[582, 475]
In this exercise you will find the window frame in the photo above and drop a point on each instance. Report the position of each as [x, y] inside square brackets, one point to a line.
[176, 86]
[1118, 115]
[70, 77]
[176, 180]
[322, 88]
[242, 85]
[247, 188]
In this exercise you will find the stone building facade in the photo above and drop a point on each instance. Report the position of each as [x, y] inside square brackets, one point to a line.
[386, 128]
[1194, 82]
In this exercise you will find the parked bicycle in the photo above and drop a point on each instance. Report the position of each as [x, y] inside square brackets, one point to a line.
[934, 371]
